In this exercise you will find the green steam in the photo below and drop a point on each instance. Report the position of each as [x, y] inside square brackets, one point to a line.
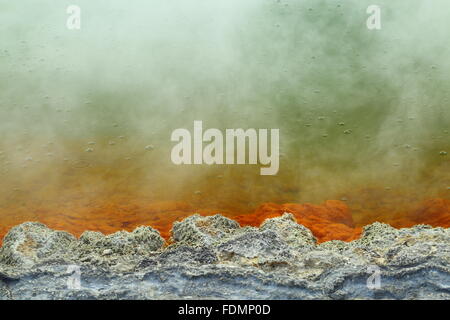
[357, 109]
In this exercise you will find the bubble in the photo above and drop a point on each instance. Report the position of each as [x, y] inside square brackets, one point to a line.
[341, 124]
[149, 147]
[348, 131]
[111, 143]
[89, 150]
[91, 143]
[79, 164]
[443, 153]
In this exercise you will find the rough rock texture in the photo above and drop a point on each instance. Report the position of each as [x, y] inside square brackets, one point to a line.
[213, 257]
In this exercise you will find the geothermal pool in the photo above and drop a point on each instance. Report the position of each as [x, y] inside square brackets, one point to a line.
[87, 115]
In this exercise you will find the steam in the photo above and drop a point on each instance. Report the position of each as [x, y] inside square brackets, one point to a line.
[89, 113]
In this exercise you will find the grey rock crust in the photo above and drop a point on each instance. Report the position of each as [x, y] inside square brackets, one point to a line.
[214, 258]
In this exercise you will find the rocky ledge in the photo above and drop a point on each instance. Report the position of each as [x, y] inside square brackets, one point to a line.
[214, 258]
